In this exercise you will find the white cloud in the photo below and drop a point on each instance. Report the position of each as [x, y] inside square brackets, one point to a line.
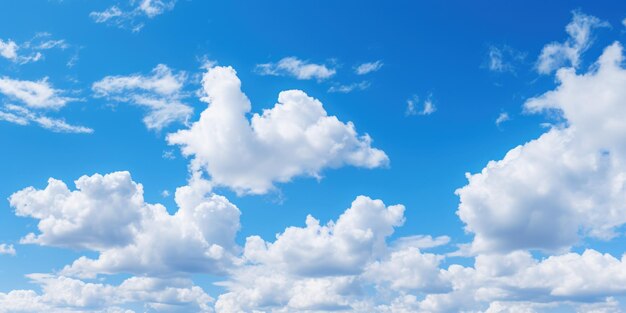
[160, 93]
[420, 242]
[282, 277]
[7, 249]
[294, 138]
[106, 15]
[292, 66]
[516, 282]
[349, 88]
[323, 268]
[23, 116]
[63, 294]
[556, 55]
[409, 269]
[369, 67]
[344, 265]
[32, 49]
[107, 214]
[8, 49]
[35, 98]
[503, 58]
[503, 117]
[412, 107]
[568, 183]
[44, 41]
[34, 94]
[132, 17]
[338, 248]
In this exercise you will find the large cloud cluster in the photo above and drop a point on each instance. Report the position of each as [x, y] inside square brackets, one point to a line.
[548, 195]
[108, 214]
[568, 183]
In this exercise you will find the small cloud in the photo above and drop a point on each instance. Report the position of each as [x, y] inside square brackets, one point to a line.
[131, 18]
[369, 67]
[8, 49]
[73, 60]
[165, 193]
[44, 41]
[413, 106]
[349, 88]
[503, 58]
[503, 117]
[168, 155]
[106, 15]
[7, 249]
[555, 55]
[300, 69]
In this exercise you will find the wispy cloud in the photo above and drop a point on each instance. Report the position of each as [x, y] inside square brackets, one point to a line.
[132, 17]
[503, 117]
[31, 50]
[300, 69]
[557, 54]
[34, 94]
[34, 99]
[369, 67]
[160, 93]
[503, 58]
[413, 106]
[23, 116]
[339, 88]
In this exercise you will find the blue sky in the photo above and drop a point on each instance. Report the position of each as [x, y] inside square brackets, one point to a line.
[189, 140]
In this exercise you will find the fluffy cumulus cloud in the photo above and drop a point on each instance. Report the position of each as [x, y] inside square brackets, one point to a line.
[558, 54]
[8, 49]
[329, 267]
[341, 247]
[347, 265]
[296, 137]
[568, 183]
[64, 294]
[29, 102]
[108, 214]
[300, 69]
[516, 282]
[160, 94]
[368, 67]
[132, 15]
[547, 194]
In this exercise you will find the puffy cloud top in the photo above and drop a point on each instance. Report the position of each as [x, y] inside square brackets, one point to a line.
[296, 137]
